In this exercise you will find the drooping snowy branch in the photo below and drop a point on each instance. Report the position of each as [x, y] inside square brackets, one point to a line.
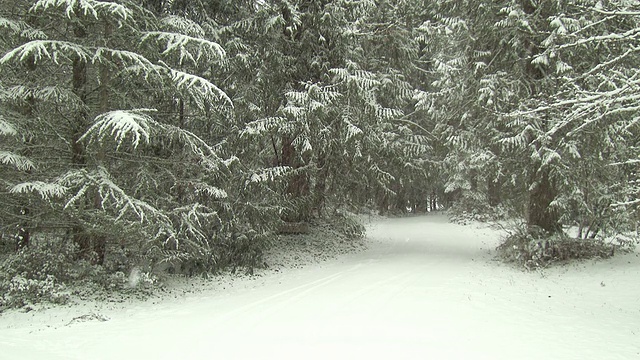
[628, 35]
[111, 195]
[132, 61]
[122, 124]
[7, 128]
[86, 7]
[262, 126]
[54, 50]
[23, 29]
[616, 12]
[44, 189]
[201, 90]
[187, 47]
[182, 25]
[205, 153]
[20, 162]
[269, 174]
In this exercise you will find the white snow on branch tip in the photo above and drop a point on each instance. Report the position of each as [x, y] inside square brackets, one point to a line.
[180, 43]
[352, 130]
[262, 126]
[210, 191]
[122, 124]
[113, 198]
[45, 190]
[20, 162]
[50, 49]
[86, 7]
[200, 89]
[131, 59]
[14, 26]
[22, 28]
[6, 128]
[269, 174]
[182, 25]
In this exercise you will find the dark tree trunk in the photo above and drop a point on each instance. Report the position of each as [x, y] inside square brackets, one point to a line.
[320, 186]
[542, 189]
[90, 246]
[23, 237]
[540, 214]
[494, 190]
[495, 181]
[298, 184]
[450, 198]
[433, 201]
[401, 200]
[78, 157]
[473, 180]
[383, 204]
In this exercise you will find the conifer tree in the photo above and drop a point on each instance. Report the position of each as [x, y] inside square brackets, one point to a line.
[110, 164]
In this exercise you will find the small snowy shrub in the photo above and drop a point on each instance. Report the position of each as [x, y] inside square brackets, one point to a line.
[46, 271]
[348, 225]
[140, 279]
[40, 260]
[533, 248]
[243, 249]
[36, 274]
[20, 291]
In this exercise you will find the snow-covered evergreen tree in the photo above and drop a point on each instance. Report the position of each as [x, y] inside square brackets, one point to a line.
[111, 161]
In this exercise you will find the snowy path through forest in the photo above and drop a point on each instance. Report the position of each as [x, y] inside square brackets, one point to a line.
[425, 289]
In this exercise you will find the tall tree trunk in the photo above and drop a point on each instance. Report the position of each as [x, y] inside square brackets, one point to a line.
[23, 237]
[298, 184]
[320, 187]
[401, 198]
[495, 180]
[78, 156]
[542, 193]
[494, 191]
[383, 204]
[97, 241]
[80, 235]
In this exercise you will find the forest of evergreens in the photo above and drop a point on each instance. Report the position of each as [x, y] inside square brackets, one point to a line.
[178, 131]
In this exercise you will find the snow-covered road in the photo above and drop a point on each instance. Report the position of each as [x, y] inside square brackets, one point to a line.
[425, 289]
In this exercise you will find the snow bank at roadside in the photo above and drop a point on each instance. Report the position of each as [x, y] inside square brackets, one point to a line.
[322, 243]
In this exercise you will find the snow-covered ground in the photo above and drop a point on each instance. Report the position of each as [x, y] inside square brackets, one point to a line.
[424, 289]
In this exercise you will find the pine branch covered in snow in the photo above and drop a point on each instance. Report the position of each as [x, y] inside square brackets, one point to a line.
[122, 124]
[201, 90]
[45, 190]
[189, 49]
[20, 162]
[7, 128]
[92, 8]
[270, 174]
[23, 29]
[182, 25]
[54, 50]
[112, 196]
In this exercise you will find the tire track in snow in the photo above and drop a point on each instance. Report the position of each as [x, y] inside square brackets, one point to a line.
[296, 293]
